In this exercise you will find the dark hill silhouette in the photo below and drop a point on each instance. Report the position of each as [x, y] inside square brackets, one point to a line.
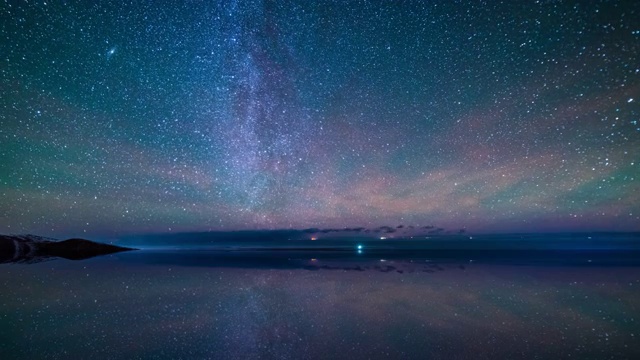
[32, 248]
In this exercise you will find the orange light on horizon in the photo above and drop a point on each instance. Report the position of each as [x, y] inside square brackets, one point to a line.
[314, 238]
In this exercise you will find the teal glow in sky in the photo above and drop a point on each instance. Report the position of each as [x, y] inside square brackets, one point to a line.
[147, 117]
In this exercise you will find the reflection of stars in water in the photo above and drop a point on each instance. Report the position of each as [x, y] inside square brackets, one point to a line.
[223, 312]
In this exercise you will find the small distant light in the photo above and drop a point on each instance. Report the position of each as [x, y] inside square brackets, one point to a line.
[314, 260]
[383, 237]
[359, 251]
[314, 238]
[359, 247]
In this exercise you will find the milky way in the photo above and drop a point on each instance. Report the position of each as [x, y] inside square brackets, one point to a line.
[147, 117]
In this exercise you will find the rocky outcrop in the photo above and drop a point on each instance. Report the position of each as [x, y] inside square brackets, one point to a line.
[33, 248]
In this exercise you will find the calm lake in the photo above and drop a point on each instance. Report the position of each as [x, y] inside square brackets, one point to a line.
[181, 304]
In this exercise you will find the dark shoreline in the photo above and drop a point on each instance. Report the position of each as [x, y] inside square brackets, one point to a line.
[30, 248]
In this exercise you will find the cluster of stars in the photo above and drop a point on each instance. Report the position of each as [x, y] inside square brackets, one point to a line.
[252, 114]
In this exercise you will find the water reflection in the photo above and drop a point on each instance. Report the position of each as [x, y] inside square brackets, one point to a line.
[154, 304]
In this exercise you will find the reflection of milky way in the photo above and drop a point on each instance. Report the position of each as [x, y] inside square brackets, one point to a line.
[119, 310]
[251, 114]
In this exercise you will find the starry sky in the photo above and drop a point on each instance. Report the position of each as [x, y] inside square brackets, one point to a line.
[135, 117]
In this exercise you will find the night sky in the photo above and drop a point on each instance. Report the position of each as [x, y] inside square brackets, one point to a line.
[120, 118]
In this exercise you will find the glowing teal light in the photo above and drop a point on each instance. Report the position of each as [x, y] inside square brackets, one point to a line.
[359, 247]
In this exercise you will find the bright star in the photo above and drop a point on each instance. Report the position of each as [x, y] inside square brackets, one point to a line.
[111, 52]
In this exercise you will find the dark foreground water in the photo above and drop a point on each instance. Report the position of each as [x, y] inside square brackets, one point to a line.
[291, 304]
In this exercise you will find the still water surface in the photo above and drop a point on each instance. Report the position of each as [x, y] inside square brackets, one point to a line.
[155, 304]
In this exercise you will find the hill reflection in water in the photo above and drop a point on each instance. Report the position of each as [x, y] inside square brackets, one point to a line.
[322, 304]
